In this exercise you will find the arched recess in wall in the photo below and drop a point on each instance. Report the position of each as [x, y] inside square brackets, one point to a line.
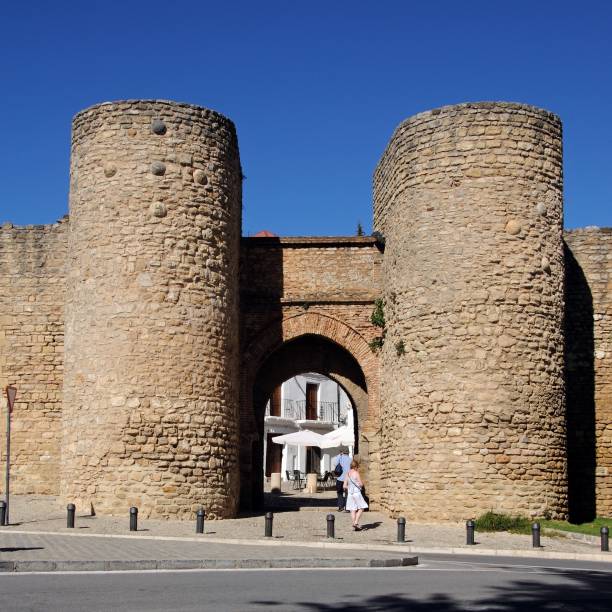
[307, 342]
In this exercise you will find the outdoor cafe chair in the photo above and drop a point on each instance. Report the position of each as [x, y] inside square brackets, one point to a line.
[298, 478]
[291, 478]
[326, 481]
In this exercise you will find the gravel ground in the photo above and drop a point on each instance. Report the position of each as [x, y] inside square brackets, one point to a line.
[304, 522]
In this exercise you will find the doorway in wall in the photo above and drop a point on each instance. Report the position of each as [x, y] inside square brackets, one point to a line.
[312, 394]
[310, 382]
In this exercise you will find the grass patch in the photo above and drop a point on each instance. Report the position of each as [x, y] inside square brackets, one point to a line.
[492, 521]
[591, 528]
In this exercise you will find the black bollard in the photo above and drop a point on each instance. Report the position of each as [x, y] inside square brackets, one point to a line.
[133, 519]
[535, 535]
[2, 513]
[401, 529]
[268, 525]
[70, 510]
[605, 544]
[200, 520]
[331, 527]
[469, 527]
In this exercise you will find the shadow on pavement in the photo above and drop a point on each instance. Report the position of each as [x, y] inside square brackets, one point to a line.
[590, 591]
[20, 548]
[291, 502]
[368, 526]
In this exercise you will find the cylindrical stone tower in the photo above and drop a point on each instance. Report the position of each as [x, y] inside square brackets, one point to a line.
[469, 198]
[150, 415]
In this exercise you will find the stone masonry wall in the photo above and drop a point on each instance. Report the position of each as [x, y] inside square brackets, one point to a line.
[469, 198]
[464, 410]
[589, 370]
[277, 273]
[311, 269]
[151, 383]
[32, 295]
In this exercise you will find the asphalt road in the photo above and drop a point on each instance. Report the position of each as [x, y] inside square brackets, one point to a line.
[438, 584]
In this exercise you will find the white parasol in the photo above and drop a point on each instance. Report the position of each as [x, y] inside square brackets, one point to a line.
[304, 437]
[342, 436]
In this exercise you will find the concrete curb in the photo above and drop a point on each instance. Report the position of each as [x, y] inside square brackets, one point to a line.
[540, 553]
[189, 564]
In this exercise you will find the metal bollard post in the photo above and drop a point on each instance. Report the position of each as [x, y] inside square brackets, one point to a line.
[470, 526]
[133, 519]
[70, 508]
[401, 529]
[535, 535]
[200, 520]
[331, 526]
[605, 544]
[2, 513]
[269, 519]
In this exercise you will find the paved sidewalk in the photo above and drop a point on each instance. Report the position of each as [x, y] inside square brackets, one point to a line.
[300, 533]
[53, 552]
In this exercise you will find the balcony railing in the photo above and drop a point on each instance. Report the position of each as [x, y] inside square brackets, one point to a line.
[326, 412]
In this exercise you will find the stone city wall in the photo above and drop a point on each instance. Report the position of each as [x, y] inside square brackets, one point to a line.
[32, 296]
[150, 409]
[589, 369]
[469, 198]
[461, 412]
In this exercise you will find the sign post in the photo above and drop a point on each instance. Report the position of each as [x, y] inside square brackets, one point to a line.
[11, 394]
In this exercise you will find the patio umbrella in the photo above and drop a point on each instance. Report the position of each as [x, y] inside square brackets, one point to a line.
[342, 436]
[304, 437]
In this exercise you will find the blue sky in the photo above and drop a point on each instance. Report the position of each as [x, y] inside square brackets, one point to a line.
[315, 90]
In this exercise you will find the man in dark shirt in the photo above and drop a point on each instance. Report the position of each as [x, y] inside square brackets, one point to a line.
[344, 461]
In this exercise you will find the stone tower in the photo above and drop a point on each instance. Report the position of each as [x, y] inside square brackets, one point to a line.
[150, 414]
[469, 198]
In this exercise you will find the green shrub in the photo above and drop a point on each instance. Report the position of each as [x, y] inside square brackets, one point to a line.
[376, 343]
[378, 320]
[493, 521]
[378, 315]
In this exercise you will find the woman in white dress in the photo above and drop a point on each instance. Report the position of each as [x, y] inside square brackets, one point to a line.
[353, 485]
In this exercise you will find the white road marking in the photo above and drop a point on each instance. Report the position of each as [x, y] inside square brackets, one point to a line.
[512, 566]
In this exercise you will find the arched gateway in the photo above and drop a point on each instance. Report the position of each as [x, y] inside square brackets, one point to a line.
[299, 343]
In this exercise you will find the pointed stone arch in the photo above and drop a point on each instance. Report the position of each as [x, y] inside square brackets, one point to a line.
[280, 336]
[317, 324]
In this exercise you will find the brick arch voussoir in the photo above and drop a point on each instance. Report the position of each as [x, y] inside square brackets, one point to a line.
[269, 339]
[318, 324]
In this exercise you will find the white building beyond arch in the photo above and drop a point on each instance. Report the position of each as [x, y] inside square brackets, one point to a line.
[333, 410]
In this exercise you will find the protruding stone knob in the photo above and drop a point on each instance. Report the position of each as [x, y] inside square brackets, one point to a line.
[513, 227]
[158, 209]
[158, 168]
[199, 177]
[158, 127]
